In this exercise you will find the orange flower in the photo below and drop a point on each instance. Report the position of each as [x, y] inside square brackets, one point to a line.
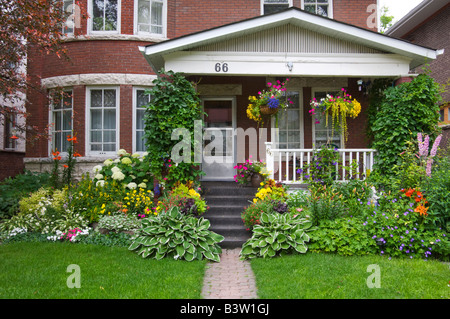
[65, 166]
[57, 158]
[409, 192]
[422, 210]
[55, 153]
[14, 137]
[76, 154]
[72, 139]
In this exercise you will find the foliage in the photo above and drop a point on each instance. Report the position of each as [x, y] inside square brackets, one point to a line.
[45, 212]
[326, 204]
[376, 95]
[248, 169]
[272, 97]
[92, 200]
[385, 19]
[277, 234]
[186, 198]
[437, 189]
[405, 110]
[119, 222]
[271, 190]
[252, 213]
[174, 104]
[176, 235]
[13, 189]
[339, 108]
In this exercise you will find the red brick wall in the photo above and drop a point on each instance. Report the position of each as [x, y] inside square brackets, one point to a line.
[12, 164]
[434, 33]
[353, 12]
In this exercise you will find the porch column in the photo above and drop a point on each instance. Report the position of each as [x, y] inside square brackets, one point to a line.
[269, 159]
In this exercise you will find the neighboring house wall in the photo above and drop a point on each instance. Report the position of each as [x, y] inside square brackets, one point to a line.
[434, 32]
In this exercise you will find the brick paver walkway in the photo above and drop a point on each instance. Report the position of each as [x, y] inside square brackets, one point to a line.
[231, 278]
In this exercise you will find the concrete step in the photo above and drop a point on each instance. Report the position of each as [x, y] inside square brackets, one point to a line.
[222, 200]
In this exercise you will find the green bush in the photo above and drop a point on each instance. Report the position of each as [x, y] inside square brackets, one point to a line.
[13, 189]
[176, 235]
[252, 213]
[409, 108]
[277, 234]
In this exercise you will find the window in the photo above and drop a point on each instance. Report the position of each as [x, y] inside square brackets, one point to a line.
[141, 99]
[105, 15]
[103, 108]
[290, 130]
[441, 115]
[272, 6]
[150, 16]
[61, 117]
[10, 142]
[319, 7]
[323, 134]
[68, 10]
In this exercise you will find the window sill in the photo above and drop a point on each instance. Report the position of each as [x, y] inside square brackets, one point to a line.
[115, 36]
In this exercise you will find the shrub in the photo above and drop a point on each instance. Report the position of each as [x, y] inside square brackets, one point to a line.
[13, 189]
[176, 235]
[120, 222]
[326, 204]
[186, 198]
[406, 109]
[271, 190]
[277, 234]
[252, 213]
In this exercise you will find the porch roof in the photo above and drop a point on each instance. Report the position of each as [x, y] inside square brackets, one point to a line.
[391, 57]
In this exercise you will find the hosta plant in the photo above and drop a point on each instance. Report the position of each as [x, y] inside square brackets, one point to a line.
[277, 234]
[175, 235]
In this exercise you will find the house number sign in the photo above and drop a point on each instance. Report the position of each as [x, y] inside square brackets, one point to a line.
[221, 67]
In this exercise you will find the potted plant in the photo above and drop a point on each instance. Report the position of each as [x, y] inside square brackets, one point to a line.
[251, 172]
[339, 108]
[268, 102]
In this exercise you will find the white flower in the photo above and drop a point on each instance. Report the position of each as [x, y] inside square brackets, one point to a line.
[118, 175]
[122, 152]
[99, 176]
[97, 168]
[132, 185]
[108, 162]
[142, 185]
[126, 161]
[100, 183]
[144, 154]
[135, 155]
[115, 169]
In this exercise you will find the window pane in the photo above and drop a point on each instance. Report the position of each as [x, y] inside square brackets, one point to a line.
[67, 120]
[157, 13]
[140, 142]
[96, 147]
[56, 142]
[96, 136]
[109, 137]
[109, 119]
[96, 119]
[109, 147]
[110, 98]
[96, 98]
[140, 119]
[57, 121]
[143, 11]
[111, 15]
[142, 98]
[104, 15]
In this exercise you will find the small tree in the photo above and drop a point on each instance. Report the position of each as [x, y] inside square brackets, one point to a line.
[174, 105]
[385, 19]
[404, 111]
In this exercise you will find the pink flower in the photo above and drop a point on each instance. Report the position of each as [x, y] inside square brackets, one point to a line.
[435, 145]
[269, 84]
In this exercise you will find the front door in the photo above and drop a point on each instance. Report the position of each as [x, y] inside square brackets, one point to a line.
[218, 139]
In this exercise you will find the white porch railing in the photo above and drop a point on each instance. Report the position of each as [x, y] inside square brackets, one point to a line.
[283, 164]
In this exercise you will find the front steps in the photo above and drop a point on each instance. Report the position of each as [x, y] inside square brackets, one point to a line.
[226, 201]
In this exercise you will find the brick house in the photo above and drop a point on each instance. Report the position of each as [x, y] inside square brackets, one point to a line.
[231, 48]
[428, 24]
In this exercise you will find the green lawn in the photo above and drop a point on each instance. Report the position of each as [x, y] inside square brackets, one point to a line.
[39, 270]
[326, 276]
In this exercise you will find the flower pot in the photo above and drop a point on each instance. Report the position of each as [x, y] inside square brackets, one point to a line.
[266, 110]
[256, 180]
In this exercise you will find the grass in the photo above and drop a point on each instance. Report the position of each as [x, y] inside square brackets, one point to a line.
[326, 276]
[39, 270]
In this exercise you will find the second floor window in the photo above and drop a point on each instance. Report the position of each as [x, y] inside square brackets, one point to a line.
[105, 15]
[61, 121]
[272, 6]
[319, 7]
[150, 16]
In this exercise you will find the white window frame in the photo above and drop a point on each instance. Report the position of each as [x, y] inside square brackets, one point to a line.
[301, 130]
[164, 21]
[135, 89]
[91, 19]
[313, 118]
[290, 2]
[88, 121]
[51, 111]
[330, 7]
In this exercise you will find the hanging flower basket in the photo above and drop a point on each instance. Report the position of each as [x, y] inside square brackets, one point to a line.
[268, 102]
[266, 110]
[339, 108]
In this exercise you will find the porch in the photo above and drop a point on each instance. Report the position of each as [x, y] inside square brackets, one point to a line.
[291, 166]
